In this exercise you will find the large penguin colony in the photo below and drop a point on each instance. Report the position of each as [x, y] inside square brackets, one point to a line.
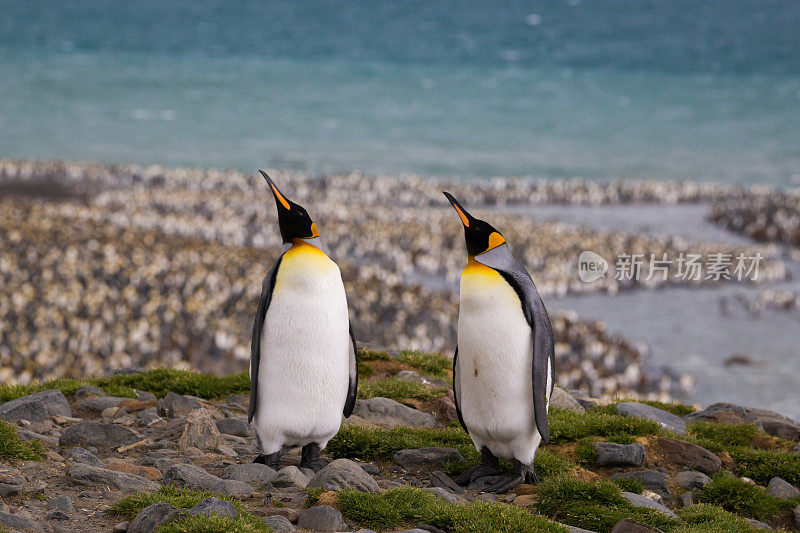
[109, 267]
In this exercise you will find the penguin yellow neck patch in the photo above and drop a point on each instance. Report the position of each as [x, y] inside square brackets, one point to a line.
[479, 274]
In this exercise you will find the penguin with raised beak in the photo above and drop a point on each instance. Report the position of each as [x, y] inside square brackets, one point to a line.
[504, 365]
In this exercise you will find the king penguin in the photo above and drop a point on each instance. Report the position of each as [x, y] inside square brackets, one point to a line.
[503, 368]
[303, 358]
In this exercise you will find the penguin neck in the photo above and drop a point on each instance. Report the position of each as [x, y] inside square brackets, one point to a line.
[300, 243]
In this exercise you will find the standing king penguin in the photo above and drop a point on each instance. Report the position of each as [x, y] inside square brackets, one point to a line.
[504, 365]
[303, 359]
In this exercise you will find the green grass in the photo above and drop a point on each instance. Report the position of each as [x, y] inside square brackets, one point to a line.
[677, 409]
[184, 498]
[629, 485]
[399, 389]
[159, 382]
[312, 494]
[434, 365]
[718, 437]
[410, 507]
[377, 443]
[705, 518]
[745, 499]
[372, 355]
[14, 448]
[763, 465]
[567, 426]
[596, 506]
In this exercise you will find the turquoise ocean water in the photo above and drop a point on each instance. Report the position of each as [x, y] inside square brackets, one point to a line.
[690, 89]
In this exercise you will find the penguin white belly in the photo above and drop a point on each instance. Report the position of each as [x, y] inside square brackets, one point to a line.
[495, 358]
[305, 349]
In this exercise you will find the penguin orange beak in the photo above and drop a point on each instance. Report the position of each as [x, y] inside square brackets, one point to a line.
[279, 198]
[462, 213]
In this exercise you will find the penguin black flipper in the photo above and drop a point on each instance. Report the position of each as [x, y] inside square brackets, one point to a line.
[352, 385]
[456, 391]
[255, 347]
[544, 365]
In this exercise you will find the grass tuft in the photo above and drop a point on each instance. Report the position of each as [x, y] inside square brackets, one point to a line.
[159, 382]
[743, 498]
[399, 389]
[434, 365]
[705, 518]
[629, 485]
[14, 448]
[243, 523]
[596, 506]
[717, 437]
[763, 465]
[566, 426]
[373, 355]
[312, 495]
[408, 506]
[377, 443]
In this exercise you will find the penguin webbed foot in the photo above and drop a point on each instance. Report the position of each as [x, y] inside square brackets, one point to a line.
[311, 457]
[519, 474]
[271, 460]
[489, 466]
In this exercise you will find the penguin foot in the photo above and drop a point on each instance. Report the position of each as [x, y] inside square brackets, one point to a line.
[531, 477]
[270, 460]
[311, 457]
[505, 483]
[489, 466]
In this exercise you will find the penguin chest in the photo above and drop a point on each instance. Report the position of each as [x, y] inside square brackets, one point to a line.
[495, 357]
[305, 347]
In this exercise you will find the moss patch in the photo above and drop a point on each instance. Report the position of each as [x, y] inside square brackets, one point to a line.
[742, 498]
[14, 448]
[705, 518]
[399, 389]
[597, 506]
[376, 443]
[566, 426]
[215, 524]
[410, 507]
[159, 382]
[763, 465]
[434, 365]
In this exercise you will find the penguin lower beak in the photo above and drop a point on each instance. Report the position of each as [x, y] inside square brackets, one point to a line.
[279, 198]
[462, 213]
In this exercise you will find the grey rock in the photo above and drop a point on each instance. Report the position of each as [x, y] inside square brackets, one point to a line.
[149, 418]
[289, 476]
[613, 454]
[446, 495]
[177, 405]
[665, 419]
[278, 523]
[84, 391]
[628, 525]
[200, 431]
[686, 499]
[61, 503]
[17, 522]
[36, 407]
[10, 489]
[194, 476]
[98, 404]
[57, 515]
[414, 530]
[561, 399]
[82, 455]
[797, 515]
[371, 469]
[320, 518]
[121, 527]
[234, 426]
[440, 479]
[363, 530]
[153, 516]
[429, 456]
[770, 421]
[254, 474]
[388, 413]
[757, 524]
[144, 396]
[650, 479]
[93, 476]
[214, 506]
[573, 529]
[781, 489]
[637, 500]
[32, 435]
[343, 474]
[689, 479]
[685, 453]
[88, 433]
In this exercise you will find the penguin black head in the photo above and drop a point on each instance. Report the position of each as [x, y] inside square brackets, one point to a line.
[479, 235]
[293, 219]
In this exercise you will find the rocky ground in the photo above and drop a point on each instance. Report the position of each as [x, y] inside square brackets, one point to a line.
[172, 451]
